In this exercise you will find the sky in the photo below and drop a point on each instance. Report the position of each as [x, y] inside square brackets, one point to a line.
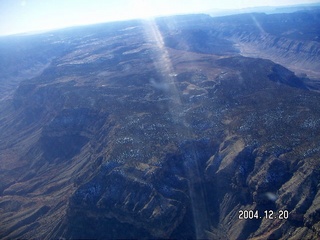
[20, 16]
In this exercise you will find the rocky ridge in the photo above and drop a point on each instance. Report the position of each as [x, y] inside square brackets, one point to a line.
[123, 137]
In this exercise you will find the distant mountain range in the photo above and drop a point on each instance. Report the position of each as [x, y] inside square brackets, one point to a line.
[185, 127]
[265, 9]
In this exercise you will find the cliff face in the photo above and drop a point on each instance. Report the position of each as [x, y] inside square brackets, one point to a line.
[291, 39]
[130, 132]
[288, 39]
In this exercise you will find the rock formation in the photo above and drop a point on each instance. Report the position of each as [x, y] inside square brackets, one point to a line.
[149, 130]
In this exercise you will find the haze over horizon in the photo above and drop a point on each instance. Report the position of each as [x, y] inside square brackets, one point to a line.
[23, 16]
[187, 126]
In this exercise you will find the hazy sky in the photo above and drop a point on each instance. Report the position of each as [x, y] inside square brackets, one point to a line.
[32, 15]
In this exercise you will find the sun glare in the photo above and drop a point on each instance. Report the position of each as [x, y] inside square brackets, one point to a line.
[32, 15]
[143, 9]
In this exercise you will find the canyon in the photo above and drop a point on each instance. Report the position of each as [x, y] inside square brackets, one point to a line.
[162, 129]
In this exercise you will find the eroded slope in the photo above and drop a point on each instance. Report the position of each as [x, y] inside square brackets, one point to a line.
[125, 137]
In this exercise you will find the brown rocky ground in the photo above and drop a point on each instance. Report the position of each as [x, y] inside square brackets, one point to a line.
[126, 133]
